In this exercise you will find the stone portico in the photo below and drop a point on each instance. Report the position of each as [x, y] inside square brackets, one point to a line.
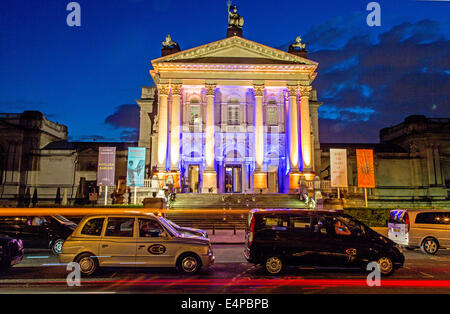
[231, 116]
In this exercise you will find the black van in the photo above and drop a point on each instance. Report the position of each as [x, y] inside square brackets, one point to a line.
[38, 232]
[277, 238]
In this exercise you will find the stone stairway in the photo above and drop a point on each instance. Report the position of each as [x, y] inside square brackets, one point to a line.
[236, 201]
[218, 220]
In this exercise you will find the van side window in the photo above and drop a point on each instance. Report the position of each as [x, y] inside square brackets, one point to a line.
[119, 227]
[275, 222]
[433, 218]
[301, 223]
[93, 227]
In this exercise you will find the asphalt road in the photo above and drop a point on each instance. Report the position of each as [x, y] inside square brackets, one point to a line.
[40, 273]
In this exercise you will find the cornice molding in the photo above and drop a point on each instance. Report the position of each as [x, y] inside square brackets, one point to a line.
[262, 50]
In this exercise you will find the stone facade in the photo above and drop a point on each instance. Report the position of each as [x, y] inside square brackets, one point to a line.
[412, 165]
[36, 156]
[231, 116]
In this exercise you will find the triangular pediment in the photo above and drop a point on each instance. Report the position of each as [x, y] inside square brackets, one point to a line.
[234, 50]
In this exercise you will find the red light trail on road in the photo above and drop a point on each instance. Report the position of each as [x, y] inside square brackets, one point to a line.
[256, 283]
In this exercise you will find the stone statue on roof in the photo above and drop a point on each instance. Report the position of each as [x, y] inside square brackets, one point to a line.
[298, 45]
[234, 19]
[169, 43]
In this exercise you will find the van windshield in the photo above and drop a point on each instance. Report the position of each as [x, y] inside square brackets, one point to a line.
[354, 225]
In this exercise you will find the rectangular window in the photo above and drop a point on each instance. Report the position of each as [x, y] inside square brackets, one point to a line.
[233, 115]
[271, 116]
[300, 223]
[120, 227]
[93, 227]
[149, 228]
[433, 218]
[275, 222]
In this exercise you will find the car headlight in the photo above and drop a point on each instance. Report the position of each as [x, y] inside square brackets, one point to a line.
[399, 248]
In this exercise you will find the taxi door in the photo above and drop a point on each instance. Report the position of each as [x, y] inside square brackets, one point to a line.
[118, 244]
[154, 248]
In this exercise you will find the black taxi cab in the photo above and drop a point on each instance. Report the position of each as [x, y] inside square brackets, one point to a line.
[276, 238]
[137, 240]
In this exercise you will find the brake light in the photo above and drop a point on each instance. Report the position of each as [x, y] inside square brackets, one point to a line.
[252, 231]
[407, 222]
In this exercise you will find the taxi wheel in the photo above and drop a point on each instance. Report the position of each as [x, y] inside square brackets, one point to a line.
[57, 246]
[430, 246]
[189, 264]
[273, 265]
[386, 265]
[88, 264]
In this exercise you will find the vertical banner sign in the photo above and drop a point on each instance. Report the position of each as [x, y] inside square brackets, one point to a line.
[136, 166]
[366, 169]
[106, 166]
[338, 167]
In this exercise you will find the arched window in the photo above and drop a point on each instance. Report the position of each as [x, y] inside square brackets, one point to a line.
[234, 112]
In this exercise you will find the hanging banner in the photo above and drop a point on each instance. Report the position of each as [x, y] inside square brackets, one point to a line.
[366, 169]
[136, 166]
[106, 166]
[338, 168]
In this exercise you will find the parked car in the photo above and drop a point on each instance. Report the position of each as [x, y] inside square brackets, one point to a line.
[188, 231]
[425, 229]
[142, 240]
[38, 232]
[282, 237]
[11, 252]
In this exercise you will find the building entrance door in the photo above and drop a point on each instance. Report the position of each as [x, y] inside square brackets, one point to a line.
[233, 178]
[194, 178]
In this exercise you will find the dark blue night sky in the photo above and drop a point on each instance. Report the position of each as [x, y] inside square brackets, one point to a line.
[89, 77]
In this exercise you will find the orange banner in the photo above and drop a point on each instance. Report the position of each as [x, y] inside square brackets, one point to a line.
[366, 169]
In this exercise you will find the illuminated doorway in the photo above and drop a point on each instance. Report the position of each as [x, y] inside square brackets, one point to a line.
[194, 178]
[233, 179]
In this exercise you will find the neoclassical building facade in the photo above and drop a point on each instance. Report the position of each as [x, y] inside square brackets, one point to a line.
[231, 116]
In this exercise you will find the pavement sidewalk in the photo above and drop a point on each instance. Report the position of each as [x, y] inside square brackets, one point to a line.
[227, 236]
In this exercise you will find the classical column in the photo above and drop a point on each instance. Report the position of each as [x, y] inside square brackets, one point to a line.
[259, 176]
[305, 122]
[294, 174]
[209, 175]
[163, 92]
[175, 128]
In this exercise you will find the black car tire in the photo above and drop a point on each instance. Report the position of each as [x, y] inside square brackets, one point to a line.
[273, 265]
[88, 264]
[189, 264]
[430, 246]
[57, 246]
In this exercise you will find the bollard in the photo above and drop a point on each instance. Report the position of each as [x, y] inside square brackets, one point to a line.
[214, 230]
[234, 229]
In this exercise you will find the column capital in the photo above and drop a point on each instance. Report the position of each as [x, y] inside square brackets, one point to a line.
[163, 89]
[176, 89]
[304, 90]
[292, 90]
[210, 89]
[258, 89]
